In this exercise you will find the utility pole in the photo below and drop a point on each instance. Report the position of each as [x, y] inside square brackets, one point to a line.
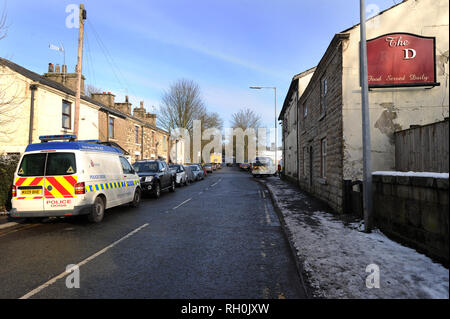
[367, 167]
[79, 69]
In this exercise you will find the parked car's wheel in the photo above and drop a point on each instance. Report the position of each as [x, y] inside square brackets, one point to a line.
[172, 188]
[97, 211]
[157, 191]
[137, 198]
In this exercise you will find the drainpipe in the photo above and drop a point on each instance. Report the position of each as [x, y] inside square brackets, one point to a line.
[107, 126]
[33, 88]
[297, 132]
[142, 142]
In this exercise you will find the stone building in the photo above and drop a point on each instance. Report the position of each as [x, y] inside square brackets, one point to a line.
[329, 109]
[289, 116]
[135, 131]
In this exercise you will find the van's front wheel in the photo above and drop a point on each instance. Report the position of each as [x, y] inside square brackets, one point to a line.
[136, 198]
[97, 211]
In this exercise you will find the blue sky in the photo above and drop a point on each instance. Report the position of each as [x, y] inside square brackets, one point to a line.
[224, 46]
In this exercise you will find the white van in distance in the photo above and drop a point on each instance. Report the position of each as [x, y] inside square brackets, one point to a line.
[65, 178]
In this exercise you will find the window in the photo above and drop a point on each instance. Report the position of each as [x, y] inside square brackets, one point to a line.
[127, 169]
[111, 127]
[32, 165]
[323, 95]
[54, 164]
[323, 158]
[61, 164]
[136, 134]
[66, 114]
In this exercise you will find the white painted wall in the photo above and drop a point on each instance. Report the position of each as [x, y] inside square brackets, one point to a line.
[406, 106]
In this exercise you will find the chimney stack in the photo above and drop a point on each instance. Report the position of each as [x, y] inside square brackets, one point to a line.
[69, 80]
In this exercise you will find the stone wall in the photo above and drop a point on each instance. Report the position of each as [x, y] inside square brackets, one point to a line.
[414, 211]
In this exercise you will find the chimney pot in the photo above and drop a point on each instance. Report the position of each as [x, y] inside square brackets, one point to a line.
[142, 105]
[126, 98]
[57, 69]
[50, 68]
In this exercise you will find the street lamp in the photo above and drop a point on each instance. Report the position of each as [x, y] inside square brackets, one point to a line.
[275, 92]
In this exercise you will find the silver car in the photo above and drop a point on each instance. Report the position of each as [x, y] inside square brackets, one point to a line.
[181, 177]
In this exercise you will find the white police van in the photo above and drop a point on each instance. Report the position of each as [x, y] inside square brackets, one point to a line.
[64, 178]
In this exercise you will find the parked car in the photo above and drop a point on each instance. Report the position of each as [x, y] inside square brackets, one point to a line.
[155, 176]
[208, 167]
[180, 174]
[64, 177]
[198, 172]
[190, 178]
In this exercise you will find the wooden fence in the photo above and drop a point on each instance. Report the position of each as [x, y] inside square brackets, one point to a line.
[423, 148]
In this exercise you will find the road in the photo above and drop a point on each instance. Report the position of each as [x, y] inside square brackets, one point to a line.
[217, 238]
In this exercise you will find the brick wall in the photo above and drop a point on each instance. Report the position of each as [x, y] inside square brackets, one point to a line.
[318, 125]
[415, 211]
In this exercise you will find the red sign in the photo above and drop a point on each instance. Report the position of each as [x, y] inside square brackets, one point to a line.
[401, 59]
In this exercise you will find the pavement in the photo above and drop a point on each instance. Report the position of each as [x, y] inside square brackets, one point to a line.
[219, 238]
[338, 260]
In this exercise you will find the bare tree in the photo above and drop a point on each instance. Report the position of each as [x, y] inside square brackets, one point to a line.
[10, 92]
[182, 104]
[3, 26]
[90, 89]
[246, 118]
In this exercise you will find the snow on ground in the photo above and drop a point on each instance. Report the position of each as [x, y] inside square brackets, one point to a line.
[412, 174]
[335, 255]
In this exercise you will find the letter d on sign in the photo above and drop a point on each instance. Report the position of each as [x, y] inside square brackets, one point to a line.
[73, 280]
[410, 54]
[373, 280]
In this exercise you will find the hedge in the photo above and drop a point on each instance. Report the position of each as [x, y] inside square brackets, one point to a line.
[8, 165]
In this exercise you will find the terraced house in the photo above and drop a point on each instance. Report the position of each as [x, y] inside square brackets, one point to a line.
[33, 105]
[408, 54]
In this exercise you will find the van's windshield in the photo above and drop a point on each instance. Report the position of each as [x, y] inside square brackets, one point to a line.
[53, 164]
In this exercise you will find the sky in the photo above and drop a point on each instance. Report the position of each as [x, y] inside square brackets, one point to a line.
[139, 48]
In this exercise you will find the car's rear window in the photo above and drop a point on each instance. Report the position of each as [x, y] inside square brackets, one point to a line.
[32, 165]
[57, 164]
[61, 164]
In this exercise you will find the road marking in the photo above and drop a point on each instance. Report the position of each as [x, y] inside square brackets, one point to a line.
[268, 220]
[187, 200]
[216, 183]
[64, 274]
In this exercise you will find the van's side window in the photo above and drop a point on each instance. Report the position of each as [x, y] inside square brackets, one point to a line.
[127, 169]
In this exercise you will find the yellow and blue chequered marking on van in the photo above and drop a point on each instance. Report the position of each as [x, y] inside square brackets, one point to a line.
[103, 186]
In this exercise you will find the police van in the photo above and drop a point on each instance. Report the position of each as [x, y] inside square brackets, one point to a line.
[64, 177]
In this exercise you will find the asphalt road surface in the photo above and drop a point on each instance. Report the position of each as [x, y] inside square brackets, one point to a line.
[217, 238]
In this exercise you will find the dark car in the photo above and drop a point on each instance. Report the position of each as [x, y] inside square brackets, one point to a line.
[155, 176]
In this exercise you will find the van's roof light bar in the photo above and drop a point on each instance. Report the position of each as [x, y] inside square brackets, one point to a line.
[47, 138]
